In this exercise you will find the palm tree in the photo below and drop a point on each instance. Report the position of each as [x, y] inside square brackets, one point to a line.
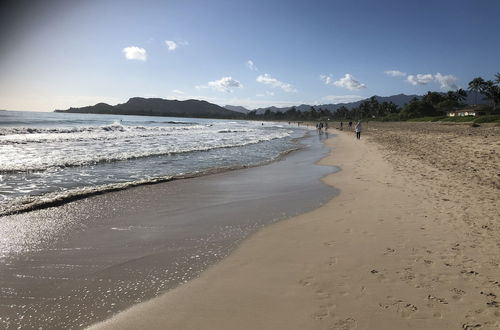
[477, 85]
[497, 78]
[461, 95]
[492, 92]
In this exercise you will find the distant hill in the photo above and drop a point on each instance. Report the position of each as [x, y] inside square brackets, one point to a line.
[139, 106]
[399, 100]
[237, 108]
[195, 108]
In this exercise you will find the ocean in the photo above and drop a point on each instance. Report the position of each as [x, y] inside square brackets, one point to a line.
[53, 157]
[89, 248]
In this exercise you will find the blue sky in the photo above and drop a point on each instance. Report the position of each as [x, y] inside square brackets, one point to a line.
[57, 54]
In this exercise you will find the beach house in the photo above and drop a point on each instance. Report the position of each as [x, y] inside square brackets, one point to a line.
[462, 113]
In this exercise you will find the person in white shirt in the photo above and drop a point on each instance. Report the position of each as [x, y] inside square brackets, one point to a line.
[358, 130]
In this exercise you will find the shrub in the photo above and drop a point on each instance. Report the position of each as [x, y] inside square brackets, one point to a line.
[460, 119]
[487, 119]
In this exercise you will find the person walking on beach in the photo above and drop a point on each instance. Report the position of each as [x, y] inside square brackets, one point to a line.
[350, 125]
[358, 130]
[341, 126]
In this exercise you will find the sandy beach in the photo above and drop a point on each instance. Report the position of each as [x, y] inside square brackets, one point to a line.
[411, 242]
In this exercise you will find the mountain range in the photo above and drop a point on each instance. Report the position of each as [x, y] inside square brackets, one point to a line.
[139, 106]
[195, 108]
[400, 100]
[237, 108]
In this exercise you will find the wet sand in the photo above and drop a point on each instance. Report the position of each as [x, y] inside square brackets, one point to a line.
[411, 242]
[69, 266]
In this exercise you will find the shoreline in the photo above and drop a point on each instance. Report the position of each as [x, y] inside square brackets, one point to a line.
[54, 199]
[383, 254]
[145, 151]
[75, 264]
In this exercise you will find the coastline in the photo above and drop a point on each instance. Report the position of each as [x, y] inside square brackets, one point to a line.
[61, 180]
[71, 265]
[54, 199]
[391, 251]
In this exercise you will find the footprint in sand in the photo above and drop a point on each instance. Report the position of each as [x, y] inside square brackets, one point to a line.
[380, 275]
[437, 315]
[404, 309]
[437, 299]
[469, 273]
[333, 261]
[493, 303]
[321, 315]
[457, 293]
[322, 294]
[488, 294]
[326, 310]
[407, 274]
[389, 251]
[471, 326]
[344, 324]
[307, 281]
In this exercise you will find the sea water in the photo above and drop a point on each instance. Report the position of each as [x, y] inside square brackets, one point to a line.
[46, 157]
[70, 266]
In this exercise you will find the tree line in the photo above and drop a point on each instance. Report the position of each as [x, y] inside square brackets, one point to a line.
[432, 104]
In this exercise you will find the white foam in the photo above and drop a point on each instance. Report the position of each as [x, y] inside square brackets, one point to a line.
[40, 149]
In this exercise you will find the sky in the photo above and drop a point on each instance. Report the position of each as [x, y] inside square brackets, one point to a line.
[57, 54]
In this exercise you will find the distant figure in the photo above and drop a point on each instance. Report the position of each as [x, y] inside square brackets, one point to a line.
[341, 126]
[326, 126]
[350, 125]
[358, 130]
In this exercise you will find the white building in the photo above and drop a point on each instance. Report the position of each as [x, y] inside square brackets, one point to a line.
[462, 113]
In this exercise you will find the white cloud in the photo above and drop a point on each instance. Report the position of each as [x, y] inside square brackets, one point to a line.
[224, 84]
[177, 91]
[395, 73]
[349, 82]
[341, 98]
[327, 79]
[420, 79]
[172, 45]
[266, 79]
[134, 53]
[251, 65]
[446, 81]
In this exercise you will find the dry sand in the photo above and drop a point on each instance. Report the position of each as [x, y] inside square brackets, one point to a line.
[411, 242]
